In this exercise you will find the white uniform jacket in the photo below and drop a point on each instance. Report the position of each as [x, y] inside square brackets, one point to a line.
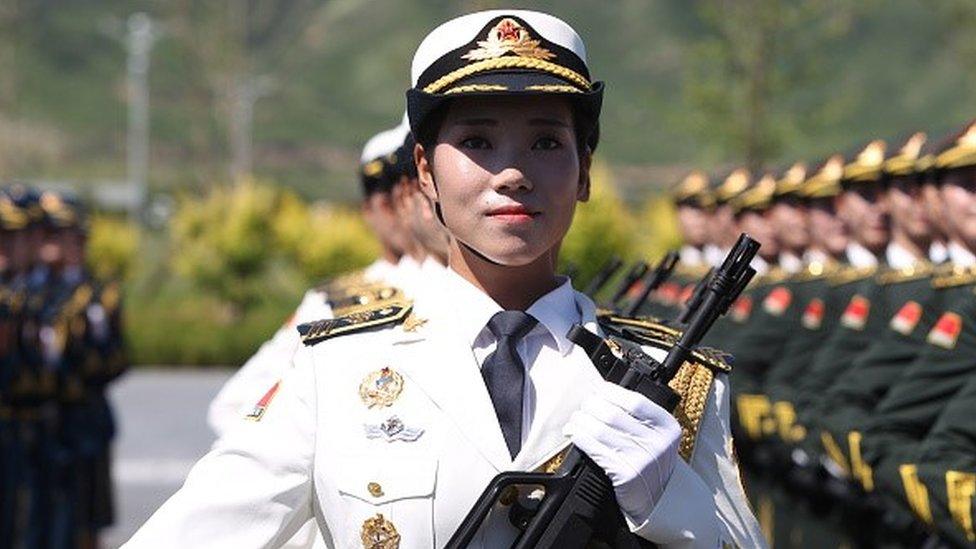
[268, 364]
[318, 450]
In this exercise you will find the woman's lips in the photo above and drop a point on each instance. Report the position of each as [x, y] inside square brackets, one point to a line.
[512, 214]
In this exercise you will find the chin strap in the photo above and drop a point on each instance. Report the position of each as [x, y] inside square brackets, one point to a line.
[465, 245]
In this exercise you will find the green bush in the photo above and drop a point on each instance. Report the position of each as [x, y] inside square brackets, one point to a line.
[224, 242]
[112, 247]
[602, 228]
[338, 242]
[178, 324]
[659, 228]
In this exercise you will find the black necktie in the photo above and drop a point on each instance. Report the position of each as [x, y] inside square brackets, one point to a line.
[504, 373]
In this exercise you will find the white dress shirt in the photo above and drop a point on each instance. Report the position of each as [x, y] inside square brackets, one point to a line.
[714, 255]
[543, 350]
[690, 255]
[938, 252]
[898, 257]
[859, 256]
[790, 262]
[960, 255]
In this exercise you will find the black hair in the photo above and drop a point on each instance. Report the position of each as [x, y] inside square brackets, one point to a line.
[427, 136]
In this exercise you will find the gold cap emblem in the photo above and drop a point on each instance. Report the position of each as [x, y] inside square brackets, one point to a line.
[379, 533]
[508, 36]
[381, 388]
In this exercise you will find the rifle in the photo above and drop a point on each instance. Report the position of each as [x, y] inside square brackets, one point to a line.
[609, 269]
[661, 273]
[696, 298]
[578, 501]
[636, 272]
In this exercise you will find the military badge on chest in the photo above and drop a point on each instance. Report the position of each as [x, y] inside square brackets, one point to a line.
[381, 388]
[379, 533]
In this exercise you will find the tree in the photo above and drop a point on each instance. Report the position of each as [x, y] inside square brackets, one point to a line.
[751, 56]
[236, 46]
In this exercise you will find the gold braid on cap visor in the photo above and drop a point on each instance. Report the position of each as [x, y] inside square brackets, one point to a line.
[509, 62]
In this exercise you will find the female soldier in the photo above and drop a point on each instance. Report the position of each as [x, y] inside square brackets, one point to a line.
[393, 420]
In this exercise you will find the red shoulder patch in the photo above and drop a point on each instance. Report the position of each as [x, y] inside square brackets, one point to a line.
[907, 318]
[741, 309]
[946, 331]
[856, 314]
[813, 314]
[778, 301]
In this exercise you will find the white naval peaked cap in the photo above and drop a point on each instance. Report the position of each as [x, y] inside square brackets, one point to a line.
[459, 31]
[384, 143]
[503, 52]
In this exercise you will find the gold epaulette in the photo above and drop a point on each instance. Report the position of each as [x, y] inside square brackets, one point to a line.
[339, 283]
[816, 270]
[79, 301]
[649, 331]
[363, 298]
[775, 275]
[917, 271]
[691, 271]
[849, 274]
[111, 296]
[955, 276]
[385, 314]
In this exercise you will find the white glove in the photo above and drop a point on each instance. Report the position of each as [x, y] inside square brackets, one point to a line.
[635, 442]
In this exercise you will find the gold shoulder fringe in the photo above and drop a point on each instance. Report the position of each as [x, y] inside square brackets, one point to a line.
[848, 274]
[343, 281]
[774, 276]
[691, 271]
[652, 332]
[383, 314]
[815, 270]
[920, 270]
[956, 276]
[692, 383]
[364, 297]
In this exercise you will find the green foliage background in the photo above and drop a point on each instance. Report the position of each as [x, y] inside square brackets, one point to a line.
[228, 272]
[691, 84]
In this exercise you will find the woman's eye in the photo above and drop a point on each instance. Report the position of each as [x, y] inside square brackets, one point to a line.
[478, 143]
[546, 144]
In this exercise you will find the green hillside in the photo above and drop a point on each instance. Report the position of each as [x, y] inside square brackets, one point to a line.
[690, 83]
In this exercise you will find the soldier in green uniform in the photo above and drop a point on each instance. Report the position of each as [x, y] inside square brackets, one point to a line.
[861, 205]
[793, 510]
[946, 467]
[723, 231]
[891, 438]
[693, 202]
[788, 214]
[907, 291]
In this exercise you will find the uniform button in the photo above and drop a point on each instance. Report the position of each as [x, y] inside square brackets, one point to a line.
[375, 489]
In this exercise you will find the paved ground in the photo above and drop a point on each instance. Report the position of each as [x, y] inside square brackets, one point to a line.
[162, 431]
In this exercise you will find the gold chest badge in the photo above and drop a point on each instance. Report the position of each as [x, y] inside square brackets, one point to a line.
[381, 388]
[379, 533]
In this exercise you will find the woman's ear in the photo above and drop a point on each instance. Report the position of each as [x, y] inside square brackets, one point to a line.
[425, 172]
[586, 162]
